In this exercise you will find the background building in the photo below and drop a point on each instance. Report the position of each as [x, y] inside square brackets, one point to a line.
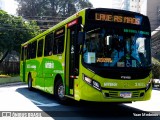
[151, 8]
[2, 5]
[125, 5]
[130, 5]
[116, 4]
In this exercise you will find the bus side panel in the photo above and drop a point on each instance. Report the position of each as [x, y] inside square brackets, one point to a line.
[39, 80]
[51, 68]
[32, 68]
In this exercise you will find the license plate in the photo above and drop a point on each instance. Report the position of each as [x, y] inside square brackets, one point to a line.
[126, 94]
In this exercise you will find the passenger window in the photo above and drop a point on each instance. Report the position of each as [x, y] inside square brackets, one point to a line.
[48, 45]
[33, 49]
[58, 46]
[40, 48]
[22, 53]
[29, 50]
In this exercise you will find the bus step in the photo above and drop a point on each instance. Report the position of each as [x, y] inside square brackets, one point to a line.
[69, 96]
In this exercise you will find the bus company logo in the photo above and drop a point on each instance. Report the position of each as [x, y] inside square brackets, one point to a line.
[49, 65]
[126, 77]
[31, 66]
[110, 84]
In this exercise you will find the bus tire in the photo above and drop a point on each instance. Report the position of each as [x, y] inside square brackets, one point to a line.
[30, 82]
[60, 92]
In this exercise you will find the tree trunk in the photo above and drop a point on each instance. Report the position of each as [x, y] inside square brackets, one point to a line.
[4, 56]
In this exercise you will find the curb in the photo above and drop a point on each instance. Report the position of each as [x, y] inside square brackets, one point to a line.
[12, 84]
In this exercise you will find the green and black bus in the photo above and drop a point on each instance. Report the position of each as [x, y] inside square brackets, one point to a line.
[98, 54]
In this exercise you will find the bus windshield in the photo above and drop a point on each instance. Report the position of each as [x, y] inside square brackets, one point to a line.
[116, 47]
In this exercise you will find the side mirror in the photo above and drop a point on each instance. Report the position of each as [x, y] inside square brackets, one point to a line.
[80, 38]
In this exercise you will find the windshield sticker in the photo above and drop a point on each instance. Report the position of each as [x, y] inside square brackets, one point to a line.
[134, 63]
[90, 57]
[120, 64]
[104, 60]
[128, 64]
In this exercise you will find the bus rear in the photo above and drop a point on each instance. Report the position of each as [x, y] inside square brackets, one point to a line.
[115, 62]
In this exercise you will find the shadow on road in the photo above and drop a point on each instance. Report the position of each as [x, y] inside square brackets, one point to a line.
[158, 89]
[82, 109]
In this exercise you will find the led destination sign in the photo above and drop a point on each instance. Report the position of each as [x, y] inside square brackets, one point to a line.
[136, 31]
[117, 18]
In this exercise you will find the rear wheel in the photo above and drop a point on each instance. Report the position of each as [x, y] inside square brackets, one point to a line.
[30, 82]
[60, 92]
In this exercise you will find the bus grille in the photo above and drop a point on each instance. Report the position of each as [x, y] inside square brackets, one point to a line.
[116, 94]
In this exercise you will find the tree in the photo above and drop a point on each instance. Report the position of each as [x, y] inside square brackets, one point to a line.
[31, 9]
[13, 32]
[56, 8]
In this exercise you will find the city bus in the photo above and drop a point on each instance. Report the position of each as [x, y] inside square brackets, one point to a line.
[97, 54]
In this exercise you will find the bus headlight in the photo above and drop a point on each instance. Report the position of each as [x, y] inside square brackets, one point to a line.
[148, 84]
[92, 82]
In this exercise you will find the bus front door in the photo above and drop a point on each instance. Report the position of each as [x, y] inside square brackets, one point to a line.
[72, 60]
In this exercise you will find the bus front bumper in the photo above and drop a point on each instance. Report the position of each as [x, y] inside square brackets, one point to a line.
[89, 93]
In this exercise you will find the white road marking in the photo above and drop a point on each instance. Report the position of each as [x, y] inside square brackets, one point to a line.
[45, 105]
[36, 102]
[49, 105]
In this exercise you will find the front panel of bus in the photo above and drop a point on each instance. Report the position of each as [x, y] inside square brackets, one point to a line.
[116, 56]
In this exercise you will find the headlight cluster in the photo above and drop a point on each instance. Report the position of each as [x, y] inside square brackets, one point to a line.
[92, 82]
[148, 84]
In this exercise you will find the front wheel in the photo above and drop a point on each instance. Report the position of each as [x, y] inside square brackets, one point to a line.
[60, 92]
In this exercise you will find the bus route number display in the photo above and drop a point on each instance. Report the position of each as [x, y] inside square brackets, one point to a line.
[117, 18]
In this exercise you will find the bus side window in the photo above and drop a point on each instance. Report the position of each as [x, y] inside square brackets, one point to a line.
[48, 44]
[33, 49]
[29, 50]
[22, 53]
[58, 46]
[40, 48]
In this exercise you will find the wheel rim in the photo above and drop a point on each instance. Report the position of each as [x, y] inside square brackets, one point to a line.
[61, 91]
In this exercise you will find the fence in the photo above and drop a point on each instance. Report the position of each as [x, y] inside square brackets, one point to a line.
[8, 67]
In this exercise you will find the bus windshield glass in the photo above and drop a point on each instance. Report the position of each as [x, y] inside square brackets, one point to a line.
[116, 47]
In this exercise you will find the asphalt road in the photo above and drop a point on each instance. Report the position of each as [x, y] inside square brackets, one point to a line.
[17, 100]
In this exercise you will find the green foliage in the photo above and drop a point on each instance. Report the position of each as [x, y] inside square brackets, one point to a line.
[54, 8]
[155, 68]
[15, 31]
